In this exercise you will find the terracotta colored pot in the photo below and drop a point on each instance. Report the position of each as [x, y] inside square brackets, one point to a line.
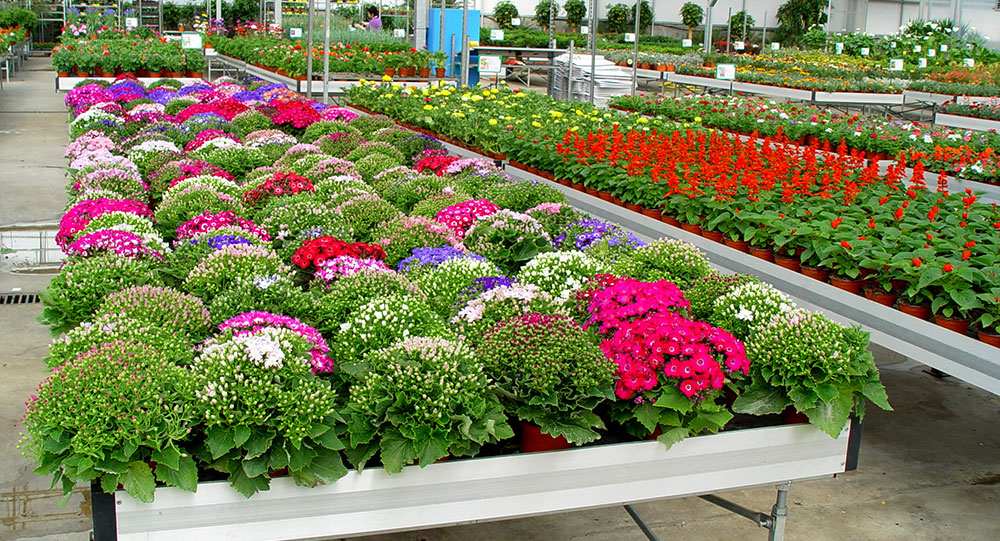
[915, 310]
[670, 220]
[852, 285]
[439, 72]
[425, 72]
[740, 245]
[716, 236]
[990, 338]
[617, 201]
[881, 296]
[670, 68]
[792, 417]
[533, 441]
[788, 262]
[82, 73]
[691, 228]
[62, 74]
[578, 187]
[605, 196]
[592, 191]
[644, 65]
[957, 324]
[390, 71]
[652, 213]
[155, 74]
[816, 273]
[898, 284]
[565, 182]
[661, 67]
[766, 254]
[633, 207]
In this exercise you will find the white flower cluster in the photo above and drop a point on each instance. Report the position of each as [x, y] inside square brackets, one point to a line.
[749, 307]
[217, 184]
[560, 273]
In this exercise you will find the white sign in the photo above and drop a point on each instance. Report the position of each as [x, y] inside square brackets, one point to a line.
[190, 40]
[295, 32]
[131, 22]
[775, 46]
[896, 64]
[686, 43]
[917, 48]
[931, 53]
[584, 29]
[629, 37]
[739, 45]
[944, 48]
[865, 51]
[399, 32]
[921, 62]
[970, 62]
[892, 45]
[516, 21]
[211, 52]
[490, 64]
[496, 35]
[725, 72]
[839, 47]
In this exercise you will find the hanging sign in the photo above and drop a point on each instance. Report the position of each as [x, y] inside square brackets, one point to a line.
[496, 35]
[629, 37]
[399, 32]
[190, 40]
[295, 32]
[131, 22]
[921, 62]
[686, 43]
[896, 64]
[739, 45]
[775, 46]
[490, 64]
[725, 72]
[516, 21]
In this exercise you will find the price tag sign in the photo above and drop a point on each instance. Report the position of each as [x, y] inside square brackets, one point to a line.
[970, 62]
[629, 37]
[496, 35]
[725, 72]
[516, 21]
[892, 45]
[686, 43]
[865, 51]
[921, 62]
[584, 29]
[775, 46]
[931, 53]
[944, 48]
[190, 40]
[399, 32]
[739, 45]
[211, 52]
[295, 32]
[896, 64]
[131, 22]
[917, 48]
[839, 47]
[490, 64]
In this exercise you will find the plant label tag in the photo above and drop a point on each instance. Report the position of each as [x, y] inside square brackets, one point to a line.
[686, 43]
[917, 48]
[131, 22]
[921, 62]
[725, 72]
[931, 53]
[399, 32]
[585, 29]
[190, 40]
[496, 35]
[629, 37]
[839, 47]
[354, 29]
[944, 48]
[970, 62]
[295, 32]
[739, 45]
[211, 52]
[865, 51]
[892, 45]
[490, 64]
[516, 21]
[775, 46]
[896, 64]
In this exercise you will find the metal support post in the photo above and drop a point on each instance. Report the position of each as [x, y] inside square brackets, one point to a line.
[729, 31]
[635, 50]
[451, 70]
[326, 54]
[763, 37]
[641, 523]
[309, 51]
[464, 79]
[779, 513]
[593, 48]
[569, 74]
[552, 23]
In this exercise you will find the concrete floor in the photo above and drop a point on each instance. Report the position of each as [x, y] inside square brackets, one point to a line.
[929, 470]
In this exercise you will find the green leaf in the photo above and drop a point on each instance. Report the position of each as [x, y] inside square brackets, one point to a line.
[300, 458]
[248, 486]
[328, 467]
[55, 445]
[258, 443]
[672, 436]
[359, 456]
[928, 276]
[831, 417]
[647, 414]
[49, 463]
[220, 441]
[109, 483]
[397, 451]
[709, 420]
[278, 457]
[429, 450]
[330, 441]
[138, 481]
[574, 430]
[672, 398]
[965, 298]
[168, 456]
[827, 391]
[873, 390]
[761, 400]
[240, 435]
[111, 465]
[184, 476]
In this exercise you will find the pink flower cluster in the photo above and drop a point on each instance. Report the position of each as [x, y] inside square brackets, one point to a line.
[206, 136]
[89, 142]
[330, 269]
[625, 300]
[80, 214]
[197, 168]
[120, 243]
[100, 179]
[253, 322]
[87, 95]
[208, 221]
[336, 113]
[459, 217]
[297, 113]
[226, 107]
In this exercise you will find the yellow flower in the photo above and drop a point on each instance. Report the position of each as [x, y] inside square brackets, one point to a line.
[445, 93]
[363, 81]
[574, 128]
[460, 115]
[642, 120]
[386, 78]
[697, 119]
[493, 122]
[396, 86]
[536, 123]
[495, 91]
[486, 93]
[555, 114]
[428, 107]
[477, 98]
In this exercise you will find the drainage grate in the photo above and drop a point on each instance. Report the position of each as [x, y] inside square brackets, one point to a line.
[18, 298]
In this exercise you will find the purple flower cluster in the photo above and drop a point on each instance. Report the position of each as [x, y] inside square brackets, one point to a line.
[432, 257]
[586, 233]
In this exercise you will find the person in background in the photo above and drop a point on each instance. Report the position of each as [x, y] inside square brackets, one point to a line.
[374, 21]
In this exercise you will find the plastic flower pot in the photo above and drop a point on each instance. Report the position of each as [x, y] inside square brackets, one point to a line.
[83, 73]
[425, 72]
[661, 67]
[390, 71]
[691, 228]
[154, 74]
[578, 187]
[62, 74]
[921, 311]
[439, 72]
[957, 324]
[786, 261]
[656, 433]
[816, 273]
[652, 213]
[195, 74]
[852, 285]
[740, 245]
[670, 220]
[670, 68]
[717, 236]
[644, 65]
[766, 254]
[989, 337]
[533, 441]
[633, 207]
[881, 296]
[593, 192]
[565, 182]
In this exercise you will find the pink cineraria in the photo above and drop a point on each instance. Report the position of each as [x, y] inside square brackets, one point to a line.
[626, 299]
[80, 214]
[249, 323]
[120, 243]
[336, 113]
[208, 221]
[460, 216]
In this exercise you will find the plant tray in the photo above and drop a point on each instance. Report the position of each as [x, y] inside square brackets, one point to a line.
[481, 489]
